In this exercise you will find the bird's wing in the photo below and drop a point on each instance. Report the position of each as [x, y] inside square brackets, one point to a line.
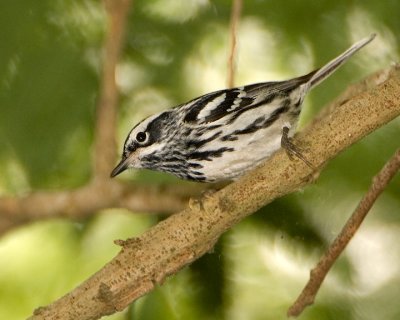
[216, 105]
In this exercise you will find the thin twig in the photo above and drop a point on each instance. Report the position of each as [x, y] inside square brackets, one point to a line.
[105, 144]
[318, 274]
[146, 261]
[101, 192]
[235, 16]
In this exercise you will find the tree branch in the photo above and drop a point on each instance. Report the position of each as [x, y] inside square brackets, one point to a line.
[105, 146]
[177, 241]
[318, 274]
[100, 193]
[82, 202]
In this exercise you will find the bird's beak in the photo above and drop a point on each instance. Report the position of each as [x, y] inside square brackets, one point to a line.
[122, 166]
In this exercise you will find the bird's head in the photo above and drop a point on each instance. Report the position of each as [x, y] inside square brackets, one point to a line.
[144, 141]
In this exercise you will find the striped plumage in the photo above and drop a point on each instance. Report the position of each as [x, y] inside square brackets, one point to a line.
[223, 134]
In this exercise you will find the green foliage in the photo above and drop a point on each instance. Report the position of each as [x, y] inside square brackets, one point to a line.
[47, 95]
[50, 59]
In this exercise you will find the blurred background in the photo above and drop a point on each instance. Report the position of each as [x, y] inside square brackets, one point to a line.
[50, 64]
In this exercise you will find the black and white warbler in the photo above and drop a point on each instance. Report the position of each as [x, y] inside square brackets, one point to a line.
[223, 134]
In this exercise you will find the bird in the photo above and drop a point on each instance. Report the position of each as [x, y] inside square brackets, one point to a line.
[221, 135]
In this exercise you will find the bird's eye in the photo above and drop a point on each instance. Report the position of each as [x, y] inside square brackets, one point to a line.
[141, 137]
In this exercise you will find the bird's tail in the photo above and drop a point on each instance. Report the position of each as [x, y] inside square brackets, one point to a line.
[321, 74]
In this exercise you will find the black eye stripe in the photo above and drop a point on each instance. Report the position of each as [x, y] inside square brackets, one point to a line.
[149, 134]
[128, 149]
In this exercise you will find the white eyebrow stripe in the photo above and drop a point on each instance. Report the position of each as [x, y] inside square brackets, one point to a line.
[142, 126]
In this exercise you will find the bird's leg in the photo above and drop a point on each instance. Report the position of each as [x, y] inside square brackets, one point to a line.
[291, 149]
